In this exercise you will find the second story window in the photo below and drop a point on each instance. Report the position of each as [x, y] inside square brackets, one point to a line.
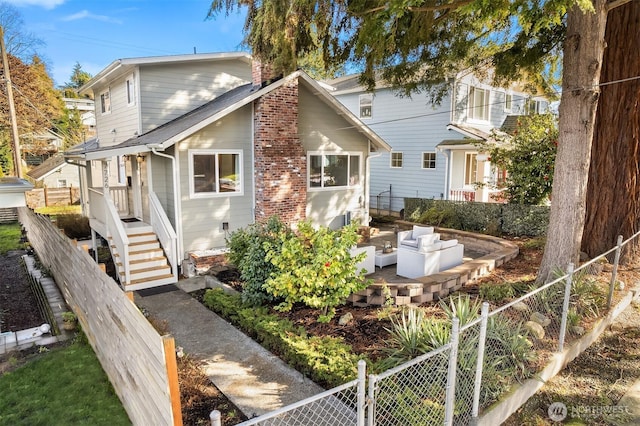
[105, 102]
[396, 160]
[508, 101]
[129, 87]
[478, 104]
[366, 104]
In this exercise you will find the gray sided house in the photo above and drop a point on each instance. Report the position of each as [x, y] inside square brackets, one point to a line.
[433, 153]
[55, 172]
[192, 147]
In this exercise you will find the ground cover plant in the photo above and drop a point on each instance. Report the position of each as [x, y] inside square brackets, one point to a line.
[10, 235]
[61, 385]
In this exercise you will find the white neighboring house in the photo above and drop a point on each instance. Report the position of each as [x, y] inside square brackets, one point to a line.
[433, 155]
[54, 172]
[86, 109]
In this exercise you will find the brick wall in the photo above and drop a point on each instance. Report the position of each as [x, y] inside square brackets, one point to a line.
[280, 159]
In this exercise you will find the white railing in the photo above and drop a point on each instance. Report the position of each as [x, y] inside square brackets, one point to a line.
[96, 205]
[165, 232]
[118, 236]
[120, 197]
[462, 195]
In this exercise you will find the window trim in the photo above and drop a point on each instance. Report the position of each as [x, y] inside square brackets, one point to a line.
[349, 154]
[472, 110]
[508, 106]
[130, 90]
[367, 97]
[216, 152]
[103, 105]
[435, 160]
[473, 180]
[401, 159]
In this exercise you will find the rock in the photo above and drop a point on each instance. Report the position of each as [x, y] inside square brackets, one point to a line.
[619, 285]
[577, 330]
[345, 319]
[534, 329]
[521, 307]
[607, 267]
[584, 256]
[540, 319]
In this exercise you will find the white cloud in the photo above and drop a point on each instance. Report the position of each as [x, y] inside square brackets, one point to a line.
[85, 14]
[47, 4]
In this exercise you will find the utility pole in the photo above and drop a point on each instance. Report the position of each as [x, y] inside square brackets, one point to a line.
[17, 162]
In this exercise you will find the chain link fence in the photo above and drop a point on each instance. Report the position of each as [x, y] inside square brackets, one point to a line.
[485, 358]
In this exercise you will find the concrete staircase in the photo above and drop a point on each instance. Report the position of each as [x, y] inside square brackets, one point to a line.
[148, 263]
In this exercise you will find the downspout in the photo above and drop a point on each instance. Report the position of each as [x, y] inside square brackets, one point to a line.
[176, 205]
[367, 175]
[447, 177]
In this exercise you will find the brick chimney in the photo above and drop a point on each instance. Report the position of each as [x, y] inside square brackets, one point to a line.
[261, 73]
[280, 158]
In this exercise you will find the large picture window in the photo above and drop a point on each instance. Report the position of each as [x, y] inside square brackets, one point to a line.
[334, 170]
[215, 172]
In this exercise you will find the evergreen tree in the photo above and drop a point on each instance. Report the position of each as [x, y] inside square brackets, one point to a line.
[78, 78]
[416, 44]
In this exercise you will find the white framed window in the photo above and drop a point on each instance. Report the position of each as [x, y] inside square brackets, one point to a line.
[470, 168]
[215, 173]
[105, 102]
[396, 160]
[62, 183]
[508, 102]
[479, 104]
[130, 90]
[335, 170]
[537, 106]
[429, 160]
[366, 105]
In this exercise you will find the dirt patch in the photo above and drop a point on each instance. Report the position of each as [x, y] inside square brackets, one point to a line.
[18, 306]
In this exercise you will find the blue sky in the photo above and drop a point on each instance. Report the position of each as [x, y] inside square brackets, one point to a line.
[94, 33]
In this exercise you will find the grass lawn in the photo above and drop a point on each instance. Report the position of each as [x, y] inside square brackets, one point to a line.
[10, 237]
[65, 385]
[58, 210]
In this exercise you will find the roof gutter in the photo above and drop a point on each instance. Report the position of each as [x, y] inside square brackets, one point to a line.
[176, 206]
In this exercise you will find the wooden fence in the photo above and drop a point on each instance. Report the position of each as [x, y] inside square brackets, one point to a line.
[140, 363]
[44, 197]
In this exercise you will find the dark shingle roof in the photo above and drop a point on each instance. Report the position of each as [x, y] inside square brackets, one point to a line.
[49, 165]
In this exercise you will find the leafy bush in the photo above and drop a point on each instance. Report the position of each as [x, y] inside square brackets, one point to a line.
[329, 361]
[248, 248]
[74, 225]
[315, 267]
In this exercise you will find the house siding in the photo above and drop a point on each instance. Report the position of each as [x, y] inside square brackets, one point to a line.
[67, 172]
[170, 90]
[411, 126]
[321, 129]
[122, 122]
[202, 218]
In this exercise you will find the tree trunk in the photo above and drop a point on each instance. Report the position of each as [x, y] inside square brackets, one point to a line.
[583, 50]
[613, 191]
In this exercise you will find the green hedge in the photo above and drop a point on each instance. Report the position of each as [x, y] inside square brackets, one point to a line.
[328, 361]
[488, 218]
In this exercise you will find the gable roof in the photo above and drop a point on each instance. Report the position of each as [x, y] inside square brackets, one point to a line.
[187, 124]
[49, 166]
[125, 65]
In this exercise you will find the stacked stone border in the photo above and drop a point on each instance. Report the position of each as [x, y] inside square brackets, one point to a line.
[438, 286]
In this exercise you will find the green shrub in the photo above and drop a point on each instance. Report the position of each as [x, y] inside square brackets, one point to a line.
[315, 267]
[497, 292]
[443, 216]
[329, 361]
[74, 225]
[248, 249]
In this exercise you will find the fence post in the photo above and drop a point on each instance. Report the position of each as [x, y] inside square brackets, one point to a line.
[362, 397]
[371, 410]
[614, 273]
[216, 418]
[451, 373]
[565, 307]
[482, 338]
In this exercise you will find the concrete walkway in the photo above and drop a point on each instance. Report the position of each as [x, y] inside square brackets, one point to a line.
[254, 379]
